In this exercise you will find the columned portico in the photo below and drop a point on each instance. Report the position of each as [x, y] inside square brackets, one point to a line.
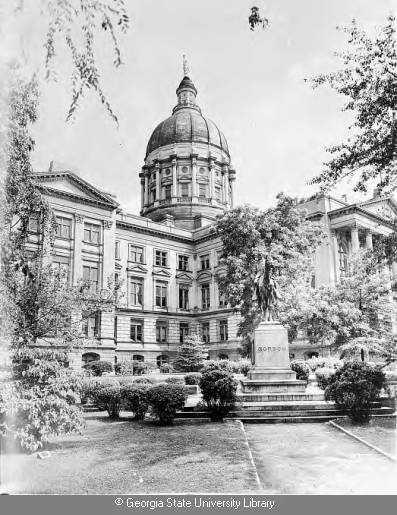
[354, 238]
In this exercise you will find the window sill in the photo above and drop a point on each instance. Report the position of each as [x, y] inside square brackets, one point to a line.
[92, 243]
[129, 261]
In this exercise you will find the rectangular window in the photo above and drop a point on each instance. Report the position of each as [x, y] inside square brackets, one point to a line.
[136, 254]
[117, 249]
[183, 263]
[223, 335]
[160, 258]
[136, 291]
[153, 195]
[161, 332]
[91, 233]
[64, 227]
[202, 190]
[183, 331]
[161, 295]
[183, 296]
[136, 330]
[205, 262]
[205, 296]
[184, 189]
[91, 324]
[63, 265]
[167, 191]
[91, 276]
[222, 300]
[205, 332]
[33, 225]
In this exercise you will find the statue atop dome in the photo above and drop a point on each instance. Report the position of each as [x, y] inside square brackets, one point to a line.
[186, 68]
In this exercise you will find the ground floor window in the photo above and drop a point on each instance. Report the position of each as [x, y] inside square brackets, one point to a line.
[163, 358]
[138, 357]
[90, 356]
[223, 356]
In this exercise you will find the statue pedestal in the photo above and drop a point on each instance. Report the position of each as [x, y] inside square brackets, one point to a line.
[271, 372]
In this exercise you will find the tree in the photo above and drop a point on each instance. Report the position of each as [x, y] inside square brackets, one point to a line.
[368, 80]
[279, 240]
[191, 354]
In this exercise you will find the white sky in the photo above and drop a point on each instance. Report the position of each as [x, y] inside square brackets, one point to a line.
[250, 83]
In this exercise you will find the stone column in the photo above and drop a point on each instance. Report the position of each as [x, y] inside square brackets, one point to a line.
[78, 246]
[142, 192]
[174, 179]
[335, 247]
[225, 182]
[368, 240]
[157, 182]
[231, 193]
[146, 188]
[354, 238]
[194, 175]
[212, 178]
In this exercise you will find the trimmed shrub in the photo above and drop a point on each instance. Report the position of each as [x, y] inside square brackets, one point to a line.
[354, 387]
[218, 388]
[166, 368]
[323, 376]
[192, 378]
[245, 366]
[301, 368]
[134, 398]
[324, 362]
[174, 380]
[125, 368]
[97, 368]
[165, 400]
[108, 397]
[143, 380]
[217, 364]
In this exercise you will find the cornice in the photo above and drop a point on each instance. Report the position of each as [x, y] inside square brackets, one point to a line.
[354, 208]
[74, 197]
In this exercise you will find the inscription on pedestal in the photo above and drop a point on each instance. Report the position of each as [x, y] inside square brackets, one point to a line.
[271, 346]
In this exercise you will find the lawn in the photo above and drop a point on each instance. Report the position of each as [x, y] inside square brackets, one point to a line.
[128, 457]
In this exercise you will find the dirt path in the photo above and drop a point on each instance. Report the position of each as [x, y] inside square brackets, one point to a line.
[317, 459]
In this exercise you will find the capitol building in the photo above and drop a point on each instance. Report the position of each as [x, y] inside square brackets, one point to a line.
[167, 259]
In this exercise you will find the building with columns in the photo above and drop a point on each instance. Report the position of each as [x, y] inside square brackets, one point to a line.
[167, 258]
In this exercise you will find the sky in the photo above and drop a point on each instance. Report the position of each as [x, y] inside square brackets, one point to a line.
[250, 83]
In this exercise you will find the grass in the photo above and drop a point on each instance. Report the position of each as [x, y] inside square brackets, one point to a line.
[126, 456]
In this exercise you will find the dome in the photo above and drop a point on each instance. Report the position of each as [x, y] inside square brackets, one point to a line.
[186, 125]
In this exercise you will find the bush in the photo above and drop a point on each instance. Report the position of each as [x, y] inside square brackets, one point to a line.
[324, 362]
[143, 380]
[174, 380]
[192, 378]
[134, 398]
[218, 388]
[354, 387]
[166, 368]
[108, 397]
[323, 376]
[165, 399]
[97, 368]
[125, 368]
[217, 364]
[301, 368]
[245, 366]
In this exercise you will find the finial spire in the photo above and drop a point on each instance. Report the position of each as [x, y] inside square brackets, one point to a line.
[186, 69]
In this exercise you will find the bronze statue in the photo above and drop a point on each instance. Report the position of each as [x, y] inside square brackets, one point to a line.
[266, 291]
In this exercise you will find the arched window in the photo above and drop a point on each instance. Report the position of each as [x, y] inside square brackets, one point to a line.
[343, 261]
[163, 358]
[90, 356]
[138, 357]
[223, 356]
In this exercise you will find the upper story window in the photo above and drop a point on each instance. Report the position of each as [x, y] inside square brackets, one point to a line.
[183, 331]
[91, 275]
[91, 233]
[34, 224]
[136, 291]
[161, 332]
[184, 189]
[183, 262]
[205, 332]
[117, 249]
[167, 191]
[64, 227]
[223, 332]
[91, 325]
[160, 258]
[183, 296]
[222, 300]
[63, 265]
[205, 296]
[202, 190]
[136, 332]
[217, 192]
[161, 295]
[136, 254]
[205, 261]
[219, 256]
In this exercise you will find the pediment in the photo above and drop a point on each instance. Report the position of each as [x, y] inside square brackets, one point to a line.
[162, 273]
[202, 276]
[385, 207]
[183, 276]
[69, 184]
[137, 268]
[117, 266]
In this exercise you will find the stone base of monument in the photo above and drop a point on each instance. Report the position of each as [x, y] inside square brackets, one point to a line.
[271, 372]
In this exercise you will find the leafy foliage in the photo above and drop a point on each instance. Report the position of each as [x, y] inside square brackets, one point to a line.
[354, 387]
[166, 368]
[368, 80]
[323, 376]
[192, 378]
[191, 354]
[135, 398]
[165, 400]
[108, 397]
[324, 362]
[301, 368]
[97, 368]
[218, 388]
[174, 380]
[279, 240]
